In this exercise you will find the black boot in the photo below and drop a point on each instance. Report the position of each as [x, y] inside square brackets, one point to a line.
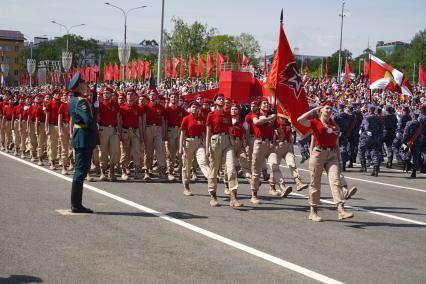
[389, 163]
[344, 166]
[423, 170]
[375, 172]
[351, 165]
[363, 167]
[413, 174]
[76, 198]
[305, 157]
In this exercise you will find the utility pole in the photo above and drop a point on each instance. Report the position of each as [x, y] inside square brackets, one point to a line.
[160, 47]
[342, 15]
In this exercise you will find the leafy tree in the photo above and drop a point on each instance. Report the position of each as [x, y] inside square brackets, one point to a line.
[248, 45]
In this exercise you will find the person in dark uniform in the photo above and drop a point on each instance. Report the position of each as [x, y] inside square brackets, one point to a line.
[389, 133]
[354, 133]
[370, 140]
[422, 119]
[83, 139]
[397, 142]
[411, 142]
[343, 120]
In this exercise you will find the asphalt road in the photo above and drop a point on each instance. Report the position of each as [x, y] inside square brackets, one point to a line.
[152, 233]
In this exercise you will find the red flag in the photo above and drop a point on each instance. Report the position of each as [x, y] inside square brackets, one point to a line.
[238, 62]
[246, 59]
[191, 67]
[422, 75]
[384, 76]
[348, 71]
[128, 72]
[175, 66]
[116, 72]
[220, 59]
[134, 70]
[182, 66]
[106, 72]
[141, 69]
[147, 69]
[210, 63]
[168, 68]
[326, 69]
[201, 63]
[286, 84]
[366, 69]
[265, 65]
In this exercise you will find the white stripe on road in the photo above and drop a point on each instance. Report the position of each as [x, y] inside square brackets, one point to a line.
[371, 181]
[369, 211]
[281, 262]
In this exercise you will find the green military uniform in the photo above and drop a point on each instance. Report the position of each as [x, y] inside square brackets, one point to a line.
[83, 143]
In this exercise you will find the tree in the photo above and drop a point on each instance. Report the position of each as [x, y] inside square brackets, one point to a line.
[248, 45]
[224, 44]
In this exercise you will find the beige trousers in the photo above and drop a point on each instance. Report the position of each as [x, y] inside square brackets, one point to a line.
[222, 152]
[283, 150]
[241, 155]
[8, 134]
[109, 148]
[33, 139]
[52, 143]
[130, 148]
[261, 151]
[172, 145]
[329, 161]
[154, 139]
[41, 140]
[16, 135]
[23, 136]
[65, 143]
[194, 148]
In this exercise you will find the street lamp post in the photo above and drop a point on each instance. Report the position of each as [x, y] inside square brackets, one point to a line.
[124, 57]
[67, 29]
[342, 15]
[31, 63]
[160, 47]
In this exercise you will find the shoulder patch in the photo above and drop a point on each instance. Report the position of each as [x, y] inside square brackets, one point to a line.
[83, 107]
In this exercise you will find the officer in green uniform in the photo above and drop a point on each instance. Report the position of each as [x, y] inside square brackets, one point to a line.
[83, 139]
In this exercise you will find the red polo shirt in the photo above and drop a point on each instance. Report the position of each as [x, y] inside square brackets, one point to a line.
[174, 115]
[8, 111]
[40, 113]
[249, 120]
[285, 128]
[237, 130]
[322, 136]
[53, 108]
[154, 113]
[130, 115]
[17, 110]
[63, 110]
[108, 113]
[219, 122]
[32, 112]
[25, 112]
[264, 131]
[203, 113]
[193, 125]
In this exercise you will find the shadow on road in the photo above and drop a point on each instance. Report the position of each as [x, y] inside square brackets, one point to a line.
[365, 225]
[176, 215]
[17, 279]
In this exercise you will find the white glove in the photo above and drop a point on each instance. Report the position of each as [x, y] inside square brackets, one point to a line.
[369, 133]
[404, 146]
[97, 125]
[398, 135]
[359, 132]
[96, 104]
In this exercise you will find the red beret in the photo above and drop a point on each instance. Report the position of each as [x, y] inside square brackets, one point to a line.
[194, 103]
[152, 91]
[55, 91]
[108, 89]
[327, 103]
[237, 106]
[254, 103]
[218, 95]
[130, 90]
[263, 99]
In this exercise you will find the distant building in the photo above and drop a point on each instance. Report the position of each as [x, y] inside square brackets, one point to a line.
[39, 39]
[391, 47]
[142, 49]
[11, 44]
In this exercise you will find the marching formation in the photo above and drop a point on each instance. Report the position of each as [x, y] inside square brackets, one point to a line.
[153, 134]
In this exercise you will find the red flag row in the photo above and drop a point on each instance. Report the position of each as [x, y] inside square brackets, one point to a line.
[135, 70]
[171, 65]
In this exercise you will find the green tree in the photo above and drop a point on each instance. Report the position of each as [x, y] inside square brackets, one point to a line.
[224, 44]
[248, 45]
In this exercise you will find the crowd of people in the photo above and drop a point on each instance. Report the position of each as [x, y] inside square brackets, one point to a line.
[155, 134]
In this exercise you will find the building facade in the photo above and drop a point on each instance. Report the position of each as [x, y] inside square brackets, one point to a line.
[391, 47]
[11, 44]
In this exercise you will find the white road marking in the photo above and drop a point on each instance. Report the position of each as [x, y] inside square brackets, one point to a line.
[371, 181]
[368, 211]
[67, 212]
[278, 261]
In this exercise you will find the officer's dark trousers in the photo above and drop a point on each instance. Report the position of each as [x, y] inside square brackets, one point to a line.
[353, 146]
[388, 140]
[83, 158]
[375, 148]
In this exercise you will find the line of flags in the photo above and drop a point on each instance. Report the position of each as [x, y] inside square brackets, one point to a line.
[176, 66]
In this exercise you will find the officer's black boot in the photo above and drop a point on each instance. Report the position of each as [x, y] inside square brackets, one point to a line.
[363, 167]
[389, 163]
[413, 174]
[409, 166]
[351, 164]
[373, 173]
[344, 166]
[305, 156]
[423, 170]
[76, 198]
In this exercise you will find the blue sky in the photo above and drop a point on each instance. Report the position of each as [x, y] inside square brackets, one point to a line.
[313, 26]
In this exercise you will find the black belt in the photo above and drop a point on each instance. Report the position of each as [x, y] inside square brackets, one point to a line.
[106, 125]
[130, 128]
[169, 126]
[263, 140]
[219, 133]
[153, 124]
[54, 124]
[287, 141]
[193, 136]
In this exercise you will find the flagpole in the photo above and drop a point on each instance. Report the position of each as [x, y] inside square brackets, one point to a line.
[275, 92]
[414, 73]
[339, 71]
[369, 73]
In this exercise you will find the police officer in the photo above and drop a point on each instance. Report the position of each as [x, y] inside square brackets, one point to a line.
[83, 139]
[324, 156]
[353, 131]
[411, 141]
[219, 148]
[343, 120]
[402, 122]
[389, 133]
[422, 119]
[191, 145]
[371, 139]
